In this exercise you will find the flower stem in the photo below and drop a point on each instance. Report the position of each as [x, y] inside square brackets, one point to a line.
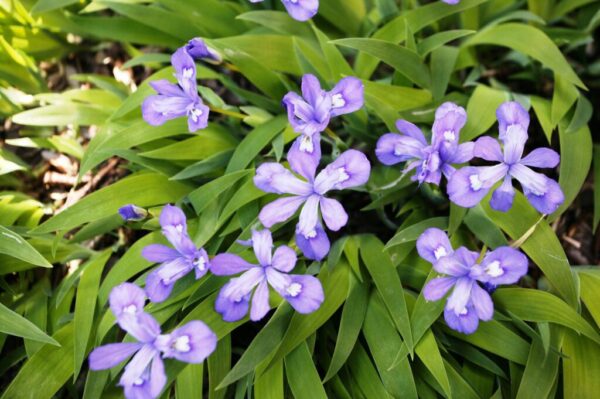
[228, 113]
[528, 233]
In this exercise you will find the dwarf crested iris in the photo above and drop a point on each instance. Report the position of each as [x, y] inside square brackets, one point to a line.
[429, 161]
[310, 113]
[469, 302]
[301, 10]
[175, 262]
[132, 212]
[468, 186]
[350, 169]
[198, 50]
[144, 375]
[177, 100]
[303, 292]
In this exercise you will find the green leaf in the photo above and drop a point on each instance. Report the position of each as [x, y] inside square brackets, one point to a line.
[353, 316]
[542, 245]
[583, 113]
[62, 115]
[541, 306]
[269, 385]
[581, 365]
[204, 144]
[527, 40]
[443, 61]
[481, 111]
[564, 96]
[428, 351]
[85, 306]
[596, 187]
[365, 374]
[405, 61]
[254, 142]
[437, 40]
[206, 194]
[388, 284]
[411, 233]
[14, 245]
[46, 371]
[541, 371]
[484, 228]
[143, 189]
[219, 364]
[12, 323]
[590, 293]
[42, 6]
[189, 382]
[302, 374]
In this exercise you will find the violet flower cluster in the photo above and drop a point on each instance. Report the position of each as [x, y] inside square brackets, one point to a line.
[181, 99]
[463, 272]
[469, 185]
[301, 10]
[144, 375]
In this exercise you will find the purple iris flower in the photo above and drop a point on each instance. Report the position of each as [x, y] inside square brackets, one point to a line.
[468, 186]
[198, 50]
[177, 100]
[144, 376]
[175, 262]
[303, 292]
[350, 169]
[451, 1]
[430, 161]
[309, 115]
[301, 10]
[469, 302]
[132, 213]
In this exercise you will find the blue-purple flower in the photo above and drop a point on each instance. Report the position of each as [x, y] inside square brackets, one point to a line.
[144, 375]
[310, 113]
[350, 169]
[470, 185]
[469, 302]
[429, 161]
[301, 10]
[198, 50]
[175, 262]
[177, 100]
[132, 212]
[303, 292]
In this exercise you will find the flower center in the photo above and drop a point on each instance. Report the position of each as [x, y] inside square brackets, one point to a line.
[131, 309]
[475, 182]
[463, 312]
[311, 234]
[138, 382]
[195, 114]
[494, 269]
[187, 73]
[306, 144]
[343, 176]
[337, 101]
[294, 289]
[199, 263]
[179, 228]
[440, 252]
[182, 344]
[449, 135]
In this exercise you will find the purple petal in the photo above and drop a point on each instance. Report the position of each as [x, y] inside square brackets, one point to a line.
[309, 216]
[142, 326]
[504, 265]
[166, 88]
[482, 303]
[304, 155]
[262, 242]
[302, 10]
[462, 153]
[279, 210]
[191, 343]
[305, 293]
[284, 259]
[136, 369]
[393, 148]
[548, 202]
[488, 148]
[461, 295]
[260, 302]
[433, 244]
[304, 118]
[429, 169]
[158, 253]
[514, 143]
[158, 377]
[436, 288]
[157, 289]
[350, 169]
[466, 322]
[311, 89]
[126, 298]
[198, 49]
[314, 246]
[201, 263]
[509, 114]
[229, 309]
[239, 287]
[541, 158]
[228, 264]
[347, 96]
[411, 130]
[449, 119]
[468, 186]
[156, 110]
[453, 264]
[333, 212]
[503, 196]
[108, 356]
[185, 71]
[174, 228]
[132, 212]
[274, 178]
[197, 116]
